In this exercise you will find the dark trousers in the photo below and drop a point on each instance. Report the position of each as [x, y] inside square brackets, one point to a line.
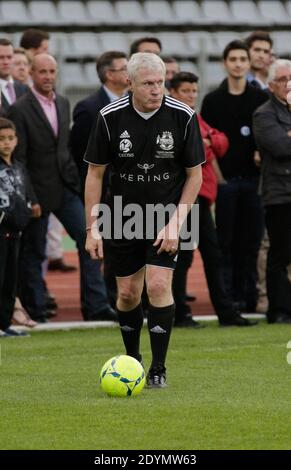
[212, 260]
[184, 262]
[278, 222]
[93, 293]
[240, 224]
[9, 251]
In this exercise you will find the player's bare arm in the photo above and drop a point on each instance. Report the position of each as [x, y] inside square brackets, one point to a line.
[93, 190]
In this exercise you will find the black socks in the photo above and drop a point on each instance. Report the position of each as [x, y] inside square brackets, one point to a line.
[130, 325]
[160, 322]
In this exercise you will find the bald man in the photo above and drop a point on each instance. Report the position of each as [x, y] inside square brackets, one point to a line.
[42, 118]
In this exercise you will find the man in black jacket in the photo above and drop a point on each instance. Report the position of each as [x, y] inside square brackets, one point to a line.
[42, 120]
[112, 72]
[239, 215]
[272, 129]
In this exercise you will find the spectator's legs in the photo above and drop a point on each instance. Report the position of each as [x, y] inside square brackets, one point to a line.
[251, 233]
[262, 305]
[212, 260]
[32, 289]
[93, 293]
[54, 239]
[184, 262]
[226, 212]
[278, 222]
[9, 250]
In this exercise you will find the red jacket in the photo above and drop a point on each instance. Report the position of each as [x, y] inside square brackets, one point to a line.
[219, 146]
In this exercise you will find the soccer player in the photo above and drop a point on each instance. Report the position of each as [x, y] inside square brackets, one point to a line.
[155, 150]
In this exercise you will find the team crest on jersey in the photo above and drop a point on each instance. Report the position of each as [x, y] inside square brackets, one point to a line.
[166, 141]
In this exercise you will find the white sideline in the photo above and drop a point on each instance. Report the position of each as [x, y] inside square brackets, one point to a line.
[73, 325]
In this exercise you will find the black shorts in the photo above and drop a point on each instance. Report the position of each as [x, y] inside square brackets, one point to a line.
[126, 257]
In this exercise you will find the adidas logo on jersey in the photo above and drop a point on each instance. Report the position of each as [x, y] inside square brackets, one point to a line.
[124, 135]
[158, 329]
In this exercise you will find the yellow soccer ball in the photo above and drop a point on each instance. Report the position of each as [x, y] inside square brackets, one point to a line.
[122, 376]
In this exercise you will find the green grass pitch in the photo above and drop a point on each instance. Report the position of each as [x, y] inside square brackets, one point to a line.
[228, 389]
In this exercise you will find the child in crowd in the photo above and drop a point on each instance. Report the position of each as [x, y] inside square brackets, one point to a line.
[16, 199]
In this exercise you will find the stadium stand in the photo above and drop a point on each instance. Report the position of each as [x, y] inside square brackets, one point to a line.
[91, 75]
[83, 45]
[222, 38]
[173, 44]
[217, 12]
[273, 12]
[213, 75]
[159, 12]
[129, 11]
[73, 75]
[188, 66]
[43, 12]
[193, 31]
[246, 13]
[282, 41]
[73, 12]
[102, 12]
[113, 41]
[198, 41]
[188, 12]
[288, 8]
[14, 13]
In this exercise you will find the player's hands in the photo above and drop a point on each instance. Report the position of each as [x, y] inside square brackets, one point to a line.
[35, 211]
[168, 238]
[94, 245]
[257, 158]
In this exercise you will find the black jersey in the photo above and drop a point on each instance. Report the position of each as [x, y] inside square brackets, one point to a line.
[148, 157]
